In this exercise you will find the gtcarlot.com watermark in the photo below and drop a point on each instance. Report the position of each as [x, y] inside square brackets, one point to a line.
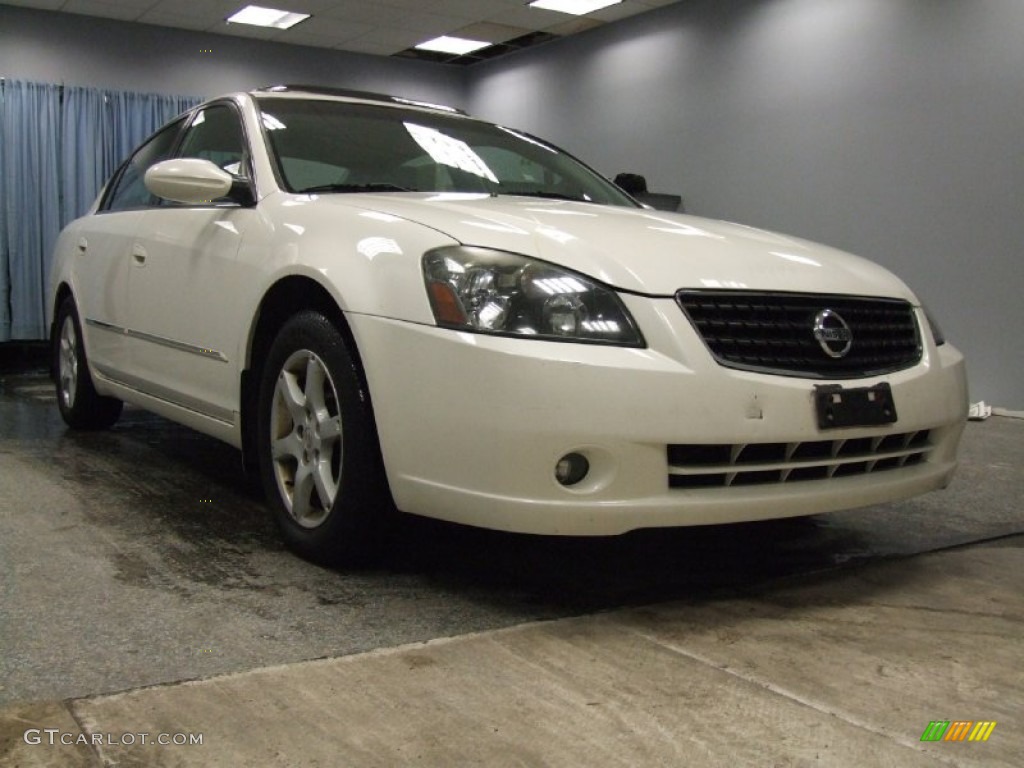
[54, 737]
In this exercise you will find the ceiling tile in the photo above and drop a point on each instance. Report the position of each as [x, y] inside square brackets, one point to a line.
[369, 13]
[381, 27]
[469, 9]
[530, 18]
[46, 5]
[492, 33]
[330, 32]
[369, 46]
[244, 30]
[124, 9]
[575, 26]
[619, 11]
[432, 22]
[311, 7]
[211, 10]
[395, 39]
[179, 22]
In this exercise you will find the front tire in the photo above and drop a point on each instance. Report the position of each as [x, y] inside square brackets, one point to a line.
[319, 456]
[80, 405]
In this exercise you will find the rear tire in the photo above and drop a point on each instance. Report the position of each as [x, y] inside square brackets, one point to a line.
[80, 405]
[319, 455]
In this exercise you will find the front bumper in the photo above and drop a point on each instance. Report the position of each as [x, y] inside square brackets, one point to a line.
[472, 426]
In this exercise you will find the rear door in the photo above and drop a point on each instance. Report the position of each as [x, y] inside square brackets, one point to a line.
[104, 257]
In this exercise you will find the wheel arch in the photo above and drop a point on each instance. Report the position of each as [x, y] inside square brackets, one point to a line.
[62, 293]
[282, 300]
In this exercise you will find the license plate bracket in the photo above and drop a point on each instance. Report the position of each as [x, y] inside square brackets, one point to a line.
[854, 407]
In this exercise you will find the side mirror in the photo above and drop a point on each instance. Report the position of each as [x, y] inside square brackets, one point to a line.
[631, 183]
[194, 181]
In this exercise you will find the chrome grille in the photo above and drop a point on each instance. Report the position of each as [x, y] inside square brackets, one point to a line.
[700, 465]
[774, 332]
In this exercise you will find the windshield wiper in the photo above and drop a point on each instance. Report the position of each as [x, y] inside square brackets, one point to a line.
[375, 187]
[544, 194]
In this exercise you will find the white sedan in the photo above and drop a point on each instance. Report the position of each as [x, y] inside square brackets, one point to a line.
[388, 304]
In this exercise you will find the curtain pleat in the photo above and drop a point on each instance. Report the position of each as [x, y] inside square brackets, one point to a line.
[5, 280]
[84, 139]
[31, 194]
[58, 145]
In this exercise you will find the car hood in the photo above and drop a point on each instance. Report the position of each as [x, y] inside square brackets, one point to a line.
[637, 249]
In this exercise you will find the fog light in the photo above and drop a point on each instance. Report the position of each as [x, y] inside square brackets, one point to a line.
[571, 468]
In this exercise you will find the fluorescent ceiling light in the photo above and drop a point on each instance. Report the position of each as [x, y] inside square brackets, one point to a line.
[267, 17]
[575, 7]
[456, 45]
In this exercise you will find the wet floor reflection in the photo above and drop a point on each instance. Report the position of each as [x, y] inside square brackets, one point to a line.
[207, 518]
[132, 547]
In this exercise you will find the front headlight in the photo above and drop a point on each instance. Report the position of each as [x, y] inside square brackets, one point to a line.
[477, 289]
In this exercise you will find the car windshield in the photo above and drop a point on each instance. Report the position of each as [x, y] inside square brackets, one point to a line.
[328, 146]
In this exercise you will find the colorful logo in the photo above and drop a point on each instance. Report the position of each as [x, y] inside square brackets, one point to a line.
[958, 730]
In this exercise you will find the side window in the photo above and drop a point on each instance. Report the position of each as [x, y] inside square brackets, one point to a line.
[129, 190]
[216, 135]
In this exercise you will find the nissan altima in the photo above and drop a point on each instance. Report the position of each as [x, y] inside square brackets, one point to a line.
[386, 304]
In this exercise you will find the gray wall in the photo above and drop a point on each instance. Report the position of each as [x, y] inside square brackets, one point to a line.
[891, 128]
[83, 50]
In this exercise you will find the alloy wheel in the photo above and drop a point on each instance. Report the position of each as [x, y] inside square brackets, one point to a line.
[68, 362]
[305, 434]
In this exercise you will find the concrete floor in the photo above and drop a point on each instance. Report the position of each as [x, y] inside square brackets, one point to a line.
[137, 559]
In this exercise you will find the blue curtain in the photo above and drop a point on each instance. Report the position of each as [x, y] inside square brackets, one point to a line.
[99, 130]
[5, 282]
[31, 195]
[134, 116]
[85, 147]
[58, 145]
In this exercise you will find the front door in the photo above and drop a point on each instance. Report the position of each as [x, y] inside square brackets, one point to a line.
[183, 310]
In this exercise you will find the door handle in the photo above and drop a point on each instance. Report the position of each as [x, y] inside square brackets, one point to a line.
[139, 255]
